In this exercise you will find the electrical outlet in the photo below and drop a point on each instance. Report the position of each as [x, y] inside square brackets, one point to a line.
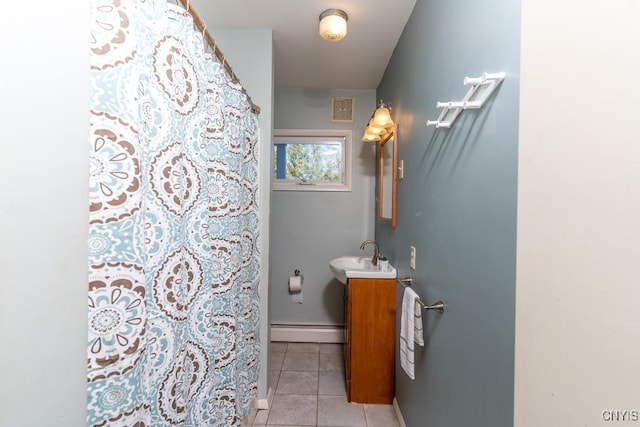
[412, 257]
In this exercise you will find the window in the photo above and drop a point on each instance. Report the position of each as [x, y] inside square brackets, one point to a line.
[312, 160]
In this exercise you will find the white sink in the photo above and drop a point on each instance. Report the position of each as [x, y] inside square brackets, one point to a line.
[360, 267]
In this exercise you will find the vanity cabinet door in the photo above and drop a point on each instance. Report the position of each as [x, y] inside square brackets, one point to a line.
[347, 341]
[370, 347]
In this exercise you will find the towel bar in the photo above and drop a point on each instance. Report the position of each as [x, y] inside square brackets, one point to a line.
[438, 306]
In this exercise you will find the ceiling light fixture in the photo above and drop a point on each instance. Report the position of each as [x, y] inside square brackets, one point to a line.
[333, 25]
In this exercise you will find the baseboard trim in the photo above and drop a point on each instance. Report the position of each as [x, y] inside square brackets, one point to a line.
[262, 404]
[258, 405]
[307, 333]
[396, 408]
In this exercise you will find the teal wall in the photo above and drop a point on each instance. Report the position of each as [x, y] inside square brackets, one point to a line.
[457, 206]
[308, 229]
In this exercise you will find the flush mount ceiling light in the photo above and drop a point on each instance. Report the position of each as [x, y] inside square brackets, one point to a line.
[333, 25]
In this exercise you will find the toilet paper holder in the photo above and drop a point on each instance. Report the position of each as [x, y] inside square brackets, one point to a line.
[295, 284]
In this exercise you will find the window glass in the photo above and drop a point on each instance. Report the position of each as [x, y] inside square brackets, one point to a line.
[306, 160]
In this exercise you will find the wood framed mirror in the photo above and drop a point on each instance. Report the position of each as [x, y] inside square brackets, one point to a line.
[388, 178]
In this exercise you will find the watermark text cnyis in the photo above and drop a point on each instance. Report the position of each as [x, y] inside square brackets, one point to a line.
[616, 415]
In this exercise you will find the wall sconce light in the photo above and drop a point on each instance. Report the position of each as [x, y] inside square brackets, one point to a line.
[375, 129]
[370, 137]
[333, 25]
[379, 125]
[382, 116]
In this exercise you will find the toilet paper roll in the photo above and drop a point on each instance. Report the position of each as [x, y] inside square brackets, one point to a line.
[295, 284]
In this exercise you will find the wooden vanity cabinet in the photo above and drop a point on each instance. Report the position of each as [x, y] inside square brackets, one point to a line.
[370, 340]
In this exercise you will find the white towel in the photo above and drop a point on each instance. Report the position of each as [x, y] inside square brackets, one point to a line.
[410, 330]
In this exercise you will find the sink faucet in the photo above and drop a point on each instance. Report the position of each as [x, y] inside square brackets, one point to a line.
[376, 252]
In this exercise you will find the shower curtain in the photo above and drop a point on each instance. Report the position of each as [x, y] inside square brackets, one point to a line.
[173, 251]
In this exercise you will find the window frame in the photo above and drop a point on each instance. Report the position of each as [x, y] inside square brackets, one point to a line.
[313, 134]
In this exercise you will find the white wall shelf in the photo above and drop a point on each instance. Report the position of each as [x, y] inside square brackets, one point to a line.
[481, 88]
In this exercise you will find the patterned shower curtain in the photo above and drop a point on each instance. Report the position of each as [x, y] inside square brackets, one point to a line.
[173, 257]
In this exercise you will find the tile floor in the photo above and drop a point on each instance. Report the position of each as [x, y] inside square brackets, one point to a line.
[310, 390]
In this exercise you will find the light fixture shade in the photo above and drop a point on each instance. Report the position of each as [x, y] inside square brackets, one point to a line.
[333, 25]
[382, 117]
[374, 129]
[370, 137]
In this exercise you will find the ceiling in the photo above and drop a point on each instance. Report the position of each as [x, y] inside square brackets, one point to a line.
[302, 58]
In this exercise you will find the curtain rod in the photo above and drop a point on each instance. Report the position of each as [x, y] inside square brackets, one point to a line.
[216, 51]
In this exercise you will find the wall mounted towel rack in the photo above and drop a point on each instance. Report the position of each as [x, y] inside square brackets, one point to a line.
[438, 306]
[481, 88]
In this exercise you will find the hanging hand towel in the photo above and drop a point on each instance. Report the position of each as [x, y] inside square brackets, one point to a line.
[410, 330]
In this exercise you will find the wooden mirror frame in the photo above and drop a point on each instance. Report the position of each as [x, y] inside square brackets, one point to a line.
[391, 180]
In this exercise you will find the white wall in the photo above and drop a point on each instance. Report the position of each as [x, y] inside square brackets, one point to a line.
[578, 264]
[44, 94]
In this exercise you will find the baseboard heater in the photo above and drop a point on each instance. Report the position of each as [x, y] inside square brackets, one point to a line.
[307, 333]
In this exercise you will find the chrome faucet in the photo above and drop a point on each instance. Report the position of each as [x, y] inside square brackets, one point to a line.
[376, 252]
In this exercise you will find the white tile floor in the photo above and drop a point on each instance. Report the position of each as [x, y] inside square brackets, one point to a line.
[310, 390]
